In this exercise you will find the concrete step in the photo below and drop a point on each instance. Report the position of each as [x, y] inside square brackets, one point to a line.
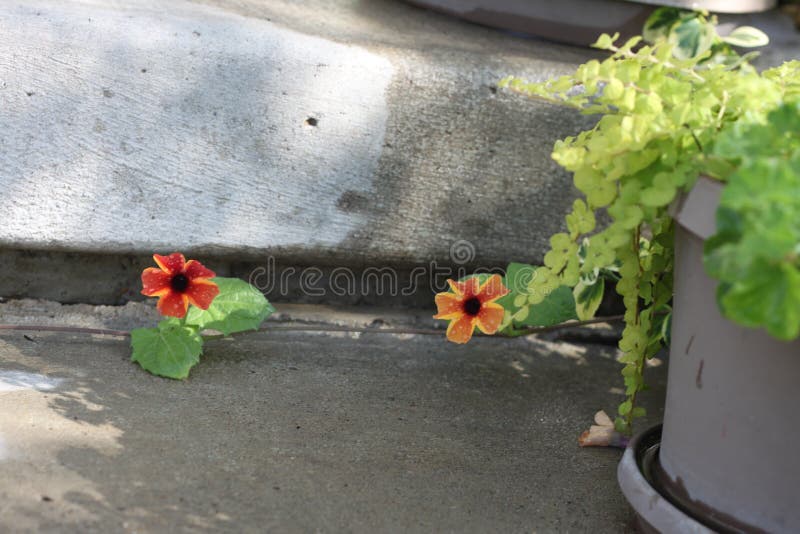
[337, 131]
[343, 133]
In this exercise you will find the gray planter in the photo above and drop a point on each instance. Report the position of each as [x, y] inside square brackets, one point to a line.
[727, 454]
[570, 21]
[719, 6]
[576, 21]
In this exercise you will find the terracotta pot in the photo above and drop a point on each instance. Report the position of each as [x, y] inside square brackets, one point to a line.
[727, 451]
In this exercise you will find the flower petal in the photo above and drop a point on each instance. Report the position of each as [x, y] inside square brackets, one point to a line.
[468, 287]
[173, 304]
[201, 292]
[449, 306]
[194, 269]
[490, 317]
[455, 287]
[155, 282]
[492, 289]
[460, 330]
[172, 264]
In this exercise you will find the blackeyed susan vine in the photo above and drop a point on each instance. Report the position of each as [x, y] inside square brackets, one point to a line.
[193, 300]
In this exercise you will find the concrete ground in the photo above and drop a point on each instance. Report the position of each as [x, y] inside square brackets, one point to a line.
[297, 431]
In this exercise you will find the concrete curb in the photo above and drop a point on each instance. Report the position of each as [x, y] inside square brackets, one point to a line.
[180, 126]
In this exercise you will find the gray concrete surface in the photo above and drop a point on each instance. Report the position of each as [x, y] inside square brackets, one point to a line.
[249, 129]
[303, 432]
[287, 315]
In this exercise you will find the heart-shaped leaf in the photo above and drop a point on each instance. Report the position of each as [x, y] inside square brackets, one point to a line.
[238, 307]
[170, 350]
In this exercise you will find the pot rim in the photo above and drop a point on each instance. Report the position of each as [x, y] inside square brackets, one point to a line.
[697, 210]
[653, 509]
[717, 6]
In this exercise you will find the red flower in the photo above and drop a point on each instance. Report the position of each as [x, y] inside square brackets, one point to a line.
[178, 283]
[471, 304]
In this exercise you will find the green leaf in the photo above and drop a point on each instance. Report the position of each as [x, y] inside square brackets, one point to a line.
[605, 41]
[662, 193]
[747, 37]
[722, 259]
[599, 191]
[581, 220]
[170, 350]
[562, 250]
[768, 295]
[521, 315]
[588, 298]
[634, 339]
[518, 277]
[659, 23]
[599, 252]
[627, 216]
[755, 252]
[555, 306]
[543, 283]
[622, 426]
[613, 89]
[662, 326]
[520, 300]
[691, 37]
[238, 307]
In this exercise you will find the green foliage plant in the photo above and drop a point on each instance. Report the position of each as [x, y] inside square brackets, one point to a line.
[670, 110]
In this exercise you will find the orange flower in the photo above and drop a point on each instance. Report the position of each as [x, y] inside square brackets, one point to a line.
[178, 283]
[471, 304]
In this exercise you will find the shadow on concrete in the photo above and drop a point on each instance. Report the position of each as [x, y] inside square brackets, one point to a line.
[302, 432]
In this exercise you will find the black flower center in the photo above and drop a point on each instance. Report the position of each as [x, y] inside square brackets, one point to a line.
[472, 306]
[179, 283]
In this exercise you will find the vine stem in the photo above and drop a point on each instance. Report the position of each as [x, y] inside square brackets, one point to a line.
[630, 55]
[66, 329]
[314, 328]
[637, 249]
[519, 332]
